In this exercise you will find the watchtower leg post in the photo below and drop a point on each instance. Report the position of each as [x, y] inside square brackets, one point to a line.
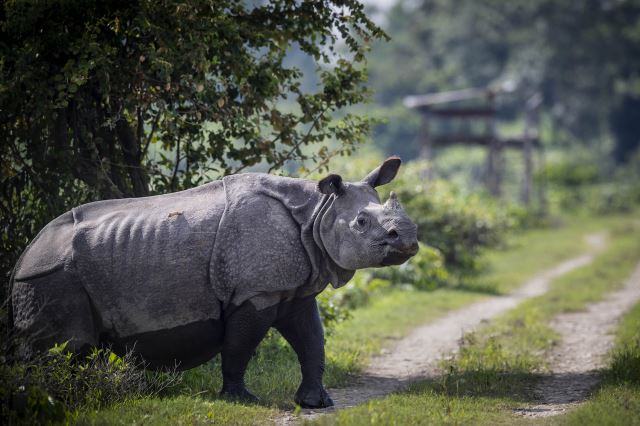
[425, 145]
[527, 182]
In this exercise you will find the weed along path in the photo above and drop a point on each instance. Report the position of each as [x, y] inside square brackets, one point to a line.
[417, 355]
[586, 338]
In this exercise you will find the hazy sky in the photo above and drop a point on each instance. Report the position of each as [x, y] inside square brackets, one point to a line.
[382, 4]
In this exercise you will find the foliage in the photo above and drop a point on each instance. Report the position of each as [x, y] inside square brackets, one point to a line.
[571, 173]
[47, 388]
[579, 183]
[460, 225]
[424, 271]
[116, 99]
[331, 312]
[625, 123]
[336, 306]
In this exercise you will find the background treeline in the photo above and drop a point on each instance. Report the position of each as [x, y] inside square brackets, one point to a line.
[582, 56]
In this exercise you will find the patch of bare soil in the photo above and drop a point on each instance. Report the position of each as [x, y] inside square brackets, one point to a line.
[417, 355]
[586, 338]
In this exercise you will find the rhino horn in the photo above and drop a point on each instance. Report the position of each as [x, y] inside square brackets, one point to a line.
[392, 203]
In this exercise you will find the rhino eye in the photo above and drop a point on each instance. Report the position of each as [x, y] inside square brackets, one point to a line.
[362, 221]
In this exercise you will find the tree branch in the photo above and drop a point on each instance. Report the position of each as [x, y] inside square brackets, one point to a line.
[175, 167]
[154, 126]
[131, 153]
[287, 157]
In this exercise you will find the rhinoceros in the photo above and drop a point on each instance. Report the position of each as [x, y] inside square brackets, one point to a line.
[181, 277]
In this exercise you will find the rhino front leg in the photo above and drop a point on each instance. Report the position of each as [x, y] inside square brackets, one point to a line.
[301, 326]
[244, 329]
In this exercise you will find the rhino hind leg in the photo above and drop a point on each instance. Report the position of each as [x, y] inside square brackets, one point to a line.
[245, 327]
[52, 309]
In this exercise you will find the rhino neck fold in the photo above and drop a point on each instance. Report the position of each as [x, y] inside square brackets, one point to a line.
[330, 270]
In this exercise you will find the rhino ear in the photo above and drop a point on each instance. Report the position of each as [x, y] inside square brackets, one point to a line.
[385, 173]
[332, 184]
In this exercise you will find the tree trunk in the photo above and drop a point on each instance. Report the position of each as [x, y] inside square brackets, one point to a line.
[132, 158]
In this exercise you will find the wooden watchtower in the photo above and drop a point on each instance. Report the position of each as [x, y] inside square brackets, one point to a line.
[469, 117]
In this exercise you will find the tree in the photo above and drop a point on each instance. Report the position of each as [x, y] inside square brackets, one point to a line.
[105, 99]
[583, 56]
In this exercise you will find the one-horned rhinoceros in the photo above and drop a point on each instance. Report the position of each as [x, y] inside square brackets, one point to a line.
[180, 277]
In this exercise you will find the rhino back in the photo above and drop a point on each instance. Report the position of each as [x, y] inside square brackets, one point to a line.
[145, 261]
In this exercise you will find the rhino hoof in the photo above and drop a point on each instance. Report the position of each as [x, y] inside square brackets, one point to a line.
[315, 398]
[240, 394]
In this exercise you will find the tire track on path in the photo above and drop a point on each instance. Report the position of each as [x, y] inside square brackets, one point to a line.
[417, 355]
[586, 339]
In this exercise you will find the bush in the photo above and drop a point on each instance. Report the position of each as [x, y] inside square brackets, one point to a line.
[612, 197]
[459, 224]
[583, 186]
[571, 173]
[46, 389]
[425, 271]
[336, 305]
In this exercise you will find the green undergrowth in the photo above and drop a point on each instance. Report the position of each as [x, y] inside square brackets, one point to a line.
[496, 367]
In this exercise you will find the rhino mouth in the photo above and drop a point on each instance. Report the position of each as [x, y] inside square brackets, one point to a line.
[396, 258]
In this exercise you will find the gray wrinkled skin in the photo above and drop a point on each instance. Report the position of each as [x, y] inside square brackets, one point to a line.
[169, 271]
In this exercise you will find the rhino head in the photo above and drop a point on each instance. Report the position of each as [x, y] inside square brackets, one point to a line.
[357, 230]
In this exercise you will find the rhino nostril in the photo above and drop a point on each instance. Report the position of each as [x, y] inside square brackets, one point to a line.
[393, 234]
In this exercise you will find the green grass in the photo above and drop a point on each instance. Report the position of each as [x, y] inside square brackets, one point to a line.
[182, 410]
[496, 367]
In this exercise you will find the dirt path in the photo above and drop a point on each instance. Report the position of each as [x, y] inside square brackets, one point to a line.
[586, 338]
[417, 355]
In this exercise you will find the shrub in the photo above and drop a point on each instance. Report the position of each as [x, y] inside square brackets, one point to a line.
[45, 389]
[425, 271]
[459, 224]
[331, 311]
[336, 305]
[571, 173]
[585, 185]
